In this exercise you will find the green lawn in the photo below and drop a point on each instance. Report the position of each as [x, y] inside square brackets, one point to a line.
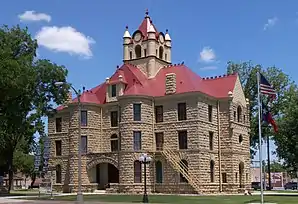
[22, 192]
[182, 199]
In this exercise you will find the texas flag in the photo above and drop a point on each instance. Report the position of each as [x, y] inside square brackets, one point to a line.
[267, 117]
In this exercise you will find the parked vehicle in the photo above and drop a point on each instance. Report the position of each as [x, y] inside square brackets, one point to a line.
[291, 185]
[257, 186]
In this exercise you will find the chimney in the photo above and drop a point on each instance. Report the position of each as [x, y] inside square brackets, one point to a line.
[69, 97]
[170, 83]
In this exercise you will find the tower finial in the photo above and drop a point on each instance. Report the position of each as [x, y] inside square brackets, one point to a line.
[147, 13]
[126, 27]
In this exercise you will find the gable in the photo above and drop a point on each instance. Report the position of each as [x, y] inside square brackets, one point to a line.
[238, 93]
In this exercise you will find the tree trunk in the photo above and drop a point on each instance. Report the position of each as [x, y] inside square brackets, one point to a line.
[33, 178]
[10, 173]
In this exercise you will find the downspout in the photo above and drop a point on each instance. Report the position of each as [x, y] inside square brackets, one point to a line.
[100, 128]
[153, 147]
[119, 143]
[219, 147]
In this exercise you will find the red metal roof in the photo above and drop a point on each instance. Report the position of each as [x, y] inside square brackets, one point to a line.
[138, 84]
[143, 28]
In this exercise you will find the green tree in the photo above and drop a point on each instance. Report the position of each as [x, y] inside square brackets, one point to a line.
[248, 77]
[27, 93]
[275, 167]
[287, 137]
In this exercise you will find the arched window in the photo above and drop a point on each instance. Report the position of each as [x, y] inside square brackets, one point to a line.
[158, 171]
[212, 171]
[184, 169]
[58, 174]
[138, 51]
[240, 139]
[114, 143]
[137, 172]
[161, 52]
[239, 113]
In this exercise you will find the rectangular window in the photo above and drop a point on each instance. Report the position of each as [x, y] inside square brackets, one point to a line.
[224, 177]
[181, 111]
[137, 172]
[166, 57]
[209, 113]
[58, 144]
[58, 174]
[159, 141]
[113, 91]
[114, 118]
[137, 112]
[182, 136]
[58, 124]
[158, 114]
[145, 52]
[114, 143]
[211, 141]
[84, 144]
[84, 118]
[137, 140]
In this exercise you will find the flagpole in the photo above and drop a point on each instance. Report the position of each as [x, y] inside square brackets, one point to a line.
[260, 140]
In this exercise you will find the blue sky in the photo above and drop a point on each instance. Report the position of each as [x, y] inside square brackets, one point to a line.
[86, 36]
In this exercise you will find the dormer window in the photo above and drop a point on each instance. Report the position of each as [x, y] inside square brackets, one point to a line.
[113, 91]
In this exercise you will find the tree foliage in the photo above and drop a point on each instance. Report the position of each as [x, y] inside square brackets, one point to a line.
[287, 137]
[248, 77]
[275, 167]
[27, 92]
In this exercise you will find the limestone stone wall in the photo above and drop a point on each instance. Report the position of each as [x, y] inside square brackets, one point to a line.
[198, 155]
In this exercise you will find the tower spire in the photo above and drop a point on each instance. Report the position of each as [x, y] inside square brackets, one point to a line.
[147, 14]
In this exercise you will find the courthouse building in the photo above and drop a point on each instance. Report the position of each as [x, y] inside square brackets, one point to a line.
[196, 130]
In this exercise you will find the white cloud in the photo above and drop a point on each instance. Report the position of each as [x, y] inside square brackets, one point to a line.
[207, 55]
[270, 23]
[208, 68]
[34, 16]
[65, 39]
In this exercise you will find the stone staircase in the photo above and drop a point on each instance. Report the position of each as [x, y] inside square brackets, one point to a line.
[174, 160]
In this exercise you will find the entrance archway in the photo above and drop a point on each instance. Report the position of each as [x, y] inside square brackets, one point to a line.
[103, 171]
[241, 172]
[106, 173]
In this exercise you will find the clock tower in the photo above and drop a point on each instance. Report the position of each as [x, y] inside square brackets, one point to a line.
[147, 48]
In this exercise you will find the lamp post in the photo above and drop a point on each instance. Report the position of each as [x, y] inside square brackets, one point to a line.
[145, 159]
[80, 198]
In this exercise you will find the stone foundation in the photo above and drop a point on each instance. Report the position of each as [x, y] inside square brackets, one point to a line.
[180, 188]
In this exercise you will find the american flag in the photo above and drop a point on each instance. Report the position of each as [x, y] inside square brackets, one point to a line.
[266, 88]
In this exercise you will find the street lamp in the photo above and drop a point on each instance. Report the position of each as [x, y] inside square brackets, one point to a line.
[80, 198]
[145, 159]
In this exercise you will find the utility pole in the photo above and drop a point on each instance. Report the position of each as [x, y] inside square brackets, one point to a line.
[268, 163]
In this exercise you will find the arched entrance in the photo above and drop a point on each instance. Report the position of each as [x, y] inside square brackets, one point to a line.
[103, 171]
[106, 173]
[241, 172]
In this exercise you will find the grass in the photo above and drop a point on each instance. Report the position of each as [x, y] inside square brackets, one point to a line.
[22, 192]
[181, 199]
